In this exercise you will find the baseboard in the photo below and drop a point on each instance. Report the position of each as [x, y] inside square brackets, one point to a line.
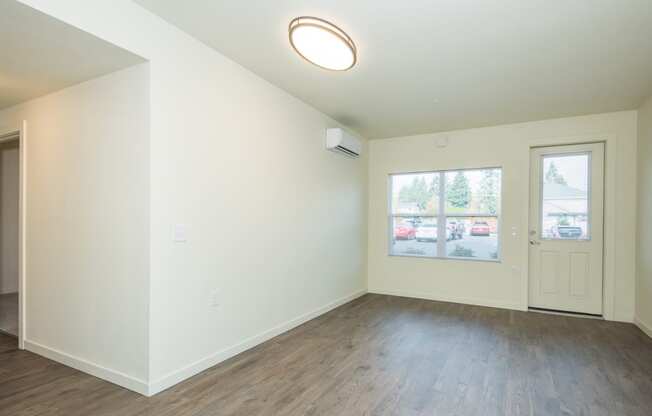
[644, 326]
[113, 376]
[197, 367]
[620, 317]
[453, 299]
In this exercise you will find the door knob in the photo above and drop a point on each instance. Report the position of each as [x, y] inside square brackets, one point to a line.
[535, 243]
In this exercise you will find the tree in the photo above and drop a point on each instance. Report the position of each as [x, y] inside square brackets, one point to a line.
[434, 185]
[459, 193]
[553, 175]
[418, 192]
[563, 220]
[488, 191]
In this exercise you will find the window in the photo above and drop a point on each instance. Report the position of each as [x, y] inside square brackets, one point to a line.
[447, 214]
[565, 197]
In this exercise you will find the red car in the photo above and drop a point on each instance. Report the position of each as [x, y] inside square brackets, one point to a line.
[480, 228]
[405, 231]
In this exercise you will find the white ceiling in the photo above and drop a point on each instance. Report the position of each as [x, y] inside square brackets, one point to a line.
[435, 65]
[39, 54]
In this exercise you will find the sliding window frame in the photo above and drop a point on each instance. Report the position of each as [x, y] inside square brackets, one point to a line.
[442, 216]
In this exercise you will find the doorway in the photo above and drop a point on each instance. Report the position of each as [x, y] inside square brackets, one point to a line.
[9, 234]
[566, 228]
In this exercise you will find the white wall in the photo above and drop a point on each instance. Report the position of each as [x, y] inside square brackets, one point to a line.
[644, 246]
[276, 223]
[87, 217]
[504, 284]
[9, 202]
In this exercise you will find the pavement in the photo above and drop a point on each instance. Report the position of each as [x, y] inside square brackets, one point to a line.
[482, 247]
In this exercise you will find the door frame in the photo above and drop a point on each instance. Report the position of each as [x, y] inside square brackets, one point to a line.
[609, 223]
[9, 134]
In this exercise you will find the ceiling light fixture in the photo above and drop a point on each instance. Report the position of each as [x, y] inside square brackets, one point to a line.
[322, 43]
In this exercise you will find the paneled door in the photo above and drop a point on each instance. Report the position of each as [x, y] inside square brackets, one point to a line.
[566, 228]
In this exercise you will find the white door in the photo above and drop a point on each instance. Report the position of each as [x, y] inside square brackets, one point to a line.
[566, 232]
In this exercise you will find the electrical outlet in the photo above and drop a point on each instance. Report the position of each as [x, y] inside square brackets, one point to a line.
[180, 234]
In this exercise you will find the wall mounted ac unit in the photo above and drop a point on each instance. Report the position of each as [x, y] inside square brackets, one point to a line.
[340, 141]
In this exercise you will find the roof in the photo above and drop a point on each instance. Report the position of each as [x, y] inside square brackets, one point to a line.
[560, 191]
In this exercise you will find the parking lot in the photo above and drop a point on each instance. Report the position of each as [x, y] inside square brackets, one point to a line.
[480, 247]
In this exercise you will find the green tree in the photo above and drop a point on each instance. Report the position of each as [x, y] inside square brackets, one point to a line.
[418, 192]
[459, 192]
[434, 185]
[488, 192]
[553, 175]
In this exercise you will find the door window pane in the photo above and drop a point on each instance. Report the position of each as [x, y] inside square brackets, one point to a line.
[565, 197]
[415, 194]
[414, 236]
[473, 192]
[472, 237]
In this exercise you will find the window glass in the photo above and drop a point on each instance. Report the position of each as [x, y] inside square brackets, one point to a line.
[565, 197]
[472, 237]
[467, 230]
[415, 194]
[473, 192]
[414, 236]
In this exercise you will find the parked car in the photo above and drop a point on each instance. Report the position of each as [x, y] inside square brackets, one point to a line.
[427, 232]
[456, 229]
[480, 228]
[567, 231]
[404, 231]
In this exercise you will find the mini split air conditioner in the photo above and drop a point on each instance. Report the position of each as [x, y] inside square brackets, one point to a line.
[340, 141]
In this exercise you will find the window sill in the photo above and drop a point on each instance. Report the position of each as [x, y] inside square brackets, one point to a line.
[463, 259]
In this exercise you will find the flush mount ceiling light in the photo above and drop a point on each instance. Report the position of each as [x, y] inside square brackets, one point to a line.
[322, 43]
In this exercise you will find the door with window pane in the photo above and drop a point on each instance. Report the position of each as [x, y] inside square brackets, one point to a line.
[566, 228]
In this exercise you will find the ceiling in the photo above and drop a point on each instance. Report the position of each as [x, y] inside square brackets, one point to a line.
[39, 54]
[437, 65]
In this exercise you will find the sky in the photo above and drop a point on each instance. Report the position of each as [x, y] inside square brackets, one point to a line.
[574, 169]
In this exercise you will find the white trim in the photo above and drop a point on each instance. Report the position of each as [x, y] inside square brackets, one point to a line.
[113, 376]
[644, 326]
[448, 258]
[190, 370]
[22, 254]
[452, 299]
[609, 236]
[442, 223]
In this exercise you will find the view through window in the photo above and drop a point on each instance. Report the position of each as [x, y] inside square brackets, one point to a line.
[565, 198]
[446, 214]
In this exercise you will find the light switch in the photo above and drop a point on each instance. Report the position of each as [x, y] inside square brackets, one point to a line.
[215, 298]
[180, 233]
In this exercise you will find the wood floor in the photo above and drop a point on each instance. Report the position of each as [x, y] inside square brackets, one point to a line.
[9, 313]
[380, 355]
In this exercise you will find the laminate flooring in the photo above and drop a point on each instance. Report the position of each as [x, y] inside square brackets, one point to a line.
[379, 355]
[9, 313]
